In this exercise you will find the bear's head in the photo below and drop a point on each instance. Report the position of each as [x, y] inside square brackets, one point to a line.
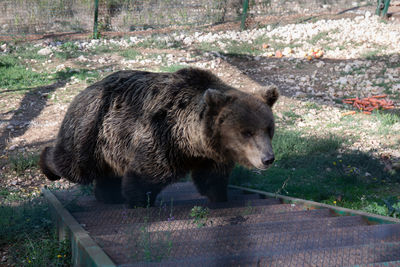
[243, 125]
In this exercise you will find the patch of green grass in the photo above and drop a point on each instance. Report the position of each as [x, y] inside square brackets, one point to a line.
[371, 55]
[319, 37]
[242, 48]
[206, 46]
[386, 119]
[312, 105]
[151, 247]
[291, 144]
[29, 231]
[172, 68]
[27, 52]
[130, 54]
[14, 74]
[290, 116]
[68, 50]
[20, 162]
[4, 193]
[80, 74]
[313, 168]
[199, 215]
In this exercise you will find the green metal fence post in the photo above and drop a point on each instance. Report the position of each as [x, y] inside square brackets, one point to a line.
[385, 9]
[244, 14]
[382, 8]
[96, 14]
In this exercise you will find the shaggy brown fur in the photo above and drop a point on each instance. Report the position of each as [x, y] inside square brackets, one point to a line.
[136, 132]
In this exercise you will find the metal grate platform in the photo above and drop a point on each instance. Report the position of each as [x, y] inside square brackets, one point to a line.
[249, 230]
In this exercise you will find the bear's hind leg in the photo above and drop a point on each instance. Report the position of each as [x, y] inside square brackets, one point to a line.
[211, 180]
[108, 190]
[138, 192]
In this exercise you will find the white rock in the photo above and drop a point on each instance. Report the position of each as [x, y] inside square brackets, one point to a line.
[45, 51]
[60, 67]
[319, 64]
[347, 68]
[342, 80]
[3, 47]
[396, 87]
[82, 58]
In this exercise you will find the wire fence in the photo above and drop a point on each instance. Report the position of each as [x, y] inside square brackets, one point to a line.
[58, 16]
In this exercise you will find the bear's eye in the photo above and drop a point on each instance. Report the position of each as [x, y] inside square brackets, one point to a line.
[247, 133]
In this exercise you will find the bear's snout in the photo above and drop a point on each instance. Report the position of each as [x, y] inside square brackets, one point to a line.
[268, 160]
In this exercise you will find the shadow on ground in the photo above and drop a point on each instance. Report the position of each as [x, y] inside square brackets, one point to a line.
[32, 104]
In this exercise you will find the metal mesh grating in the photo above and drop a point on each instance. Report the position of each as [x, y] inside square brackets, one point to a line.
[246, 231]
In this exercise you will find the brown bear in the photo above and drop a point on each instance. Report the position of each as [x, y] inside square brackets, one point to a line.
[135, 132]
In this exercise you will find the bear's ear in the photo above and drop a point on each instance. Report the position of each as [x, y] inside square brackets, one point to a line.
[269, 94]
[214, 97]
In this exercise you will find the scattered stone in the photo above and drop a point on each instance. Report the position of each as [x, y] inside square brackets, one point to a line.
[342, 80]
[45, 51]
[82, 58]
[348, 68]
[60, 67]
[320, 64]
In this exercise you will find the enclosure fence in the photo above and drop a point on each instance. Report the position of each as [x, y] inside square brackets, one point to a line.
[58, 16]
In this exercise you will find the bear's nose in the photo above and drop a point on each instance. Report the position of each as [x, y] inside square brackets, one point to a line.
[268, 160]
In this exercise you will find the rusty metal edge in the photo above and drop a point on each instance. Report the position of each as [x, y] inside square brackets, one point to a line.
[370, 218]
[85, 252]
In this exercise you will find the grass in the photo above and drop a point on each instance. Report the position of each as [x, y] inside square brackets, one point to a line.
[68, 50]
[290, 116]
[322, 170]
[80, 74]
[30, 234]
[14, 74]
[371, 55]
[130, 54]
[20, 162]
[17, 76]
[199, 215]
[153, 247]
[319, 37]
[311, 105]
[386, 119]
[172, 68]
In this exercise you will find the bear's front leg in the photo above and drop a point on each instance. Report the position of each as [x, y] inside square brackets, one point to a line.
[108, 190]
[212, 180]
[138, 191]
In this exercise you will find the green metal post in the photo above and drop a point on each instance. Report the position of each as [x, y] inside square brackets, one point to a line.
[382, 8]
[378, 8]
[385, 9]
[96, 15]
[244, 14]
